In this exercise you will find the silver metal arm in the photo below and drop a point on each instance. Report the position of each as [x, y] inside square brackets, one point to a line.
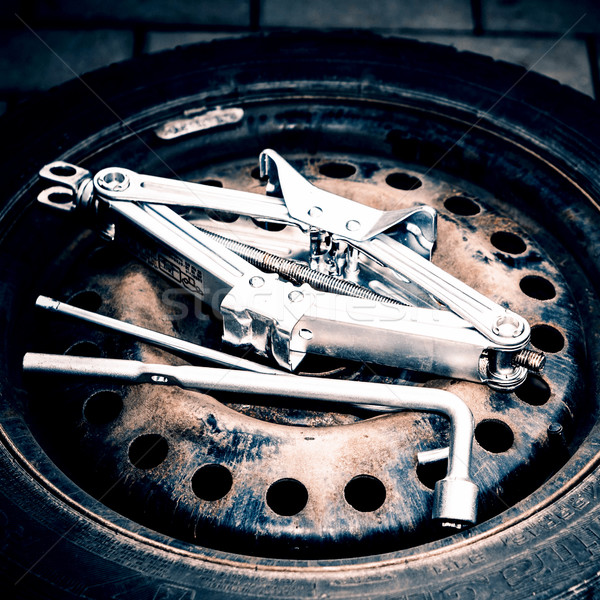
[455, 496]
[198, 262]
[116, 183]
[504, 328]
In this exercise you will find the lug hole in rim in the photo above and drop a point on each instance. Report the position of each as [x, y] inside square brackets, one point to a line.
[462, 206]
[269, 225]
[222, 216]
[547, 338]
[212, 183]
[84, 348]
[337, 170]
[287, 497]
[148, 451]
[218, 215]
[88, 300]
[255, 174]
[537, 287]
[103, 407]
[494, 436]
[212, 482]
[365, 493]
[430, 473]
[534, 390]
[508, 242]
[403, 181]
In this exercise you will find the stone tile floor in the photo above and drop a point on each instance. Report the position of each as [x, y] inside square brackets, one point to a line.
[46, 42]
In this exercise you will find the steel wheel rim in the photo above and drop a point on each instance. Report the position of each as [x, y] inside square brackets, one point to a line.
[444, 542]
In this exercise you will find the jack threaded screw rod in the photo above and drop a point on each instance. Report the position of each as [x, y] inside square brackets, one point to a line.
[532, 360]
[300, 273]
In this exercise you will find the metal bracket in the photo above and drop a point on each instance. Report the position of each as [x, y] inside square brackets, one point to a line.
[350, 220]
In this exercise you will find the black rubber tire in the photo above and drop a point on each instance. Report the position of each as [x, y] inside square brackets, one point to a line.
[56, 541]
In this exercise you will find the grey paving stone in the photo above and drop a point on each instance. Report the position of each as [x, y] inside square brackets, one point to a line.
[556, 16]
[381, 14]
[28, 63]
[164, 40]
[565, 60]
[191, 12]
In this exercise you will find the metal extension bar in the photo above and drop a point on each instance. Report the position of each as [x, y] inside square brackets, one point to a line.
[153, 337]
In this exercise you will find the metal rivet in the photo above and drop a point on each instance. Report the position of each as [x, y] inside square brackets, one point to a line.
[257, 281]
[315, 212]
[508, 326]
[306, 334]
[352, 225]
[555, 429]
[114, 181]
[295, 296]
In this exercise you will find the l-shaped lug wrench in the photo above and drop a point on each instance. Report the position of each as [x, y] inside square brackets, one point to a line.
[455, 496]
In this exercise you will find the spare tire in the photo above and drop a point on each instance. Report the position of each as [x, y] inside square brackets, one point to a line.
[480, 137]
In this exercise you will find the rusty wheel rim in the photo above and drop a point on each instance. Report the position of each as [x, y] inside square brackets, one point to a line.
[165, 459]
